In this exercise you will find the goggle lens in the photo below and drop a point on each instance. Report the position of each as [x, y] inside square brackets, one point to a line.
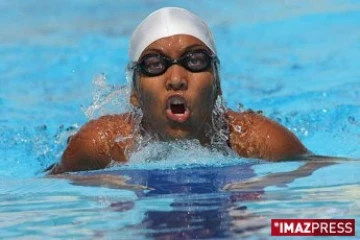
[157, 64]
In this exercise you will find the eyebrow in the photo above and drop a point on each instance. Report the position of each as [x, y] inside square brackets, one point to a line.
[150, 50]
[192, 47]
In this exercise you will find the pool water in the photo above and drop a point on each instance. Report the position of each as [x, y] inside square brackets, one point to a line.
[63, 62]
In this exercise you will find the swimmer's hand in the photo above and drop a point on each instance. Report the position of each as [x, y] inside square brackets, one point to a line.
[54, 169]
[101, 180]
[313, 163]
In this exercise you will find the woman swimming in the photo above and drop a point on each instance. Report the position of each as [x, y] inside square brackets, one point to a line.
[176, 95]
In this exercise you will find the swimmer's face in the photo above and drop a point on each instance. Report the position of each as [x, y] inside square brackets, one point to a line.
[178, 103]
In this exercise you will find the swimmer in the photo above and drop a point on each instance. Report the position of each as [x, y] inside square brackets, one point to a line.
[175, 95]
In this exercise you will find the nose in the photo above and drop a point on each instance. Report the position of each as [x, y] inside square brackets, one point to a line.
[177, 79]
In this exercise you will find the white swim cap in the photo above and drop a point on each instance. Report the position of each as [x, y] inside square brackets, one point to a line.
[167, 22]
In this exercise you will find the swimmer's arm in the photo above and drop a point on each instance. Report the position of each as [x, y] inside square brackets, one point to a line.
[255, 136]
[281, 179]
[95, 145]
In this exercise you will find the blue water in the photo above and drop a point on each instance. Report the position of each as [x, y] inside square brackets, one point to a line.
[297, 61]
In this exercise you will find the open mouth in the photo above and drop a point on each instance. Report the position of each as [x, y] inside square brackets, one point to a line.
[177, 108]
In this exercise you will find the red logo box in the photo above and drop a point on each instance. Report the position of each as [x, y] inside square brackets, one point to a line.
[312, 227]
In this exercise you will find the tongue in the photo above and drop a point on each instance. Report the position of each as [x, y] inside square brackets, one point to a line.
[177, 108]
[178, 114]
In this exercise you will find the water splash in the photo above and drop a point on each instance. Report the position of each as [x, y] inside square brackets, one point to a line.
[107, 99]
[177, 154]
[29, 150]
[220, 128]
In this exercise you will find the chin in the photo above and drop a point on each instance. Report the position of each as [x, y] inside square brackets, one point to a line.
[177, 134]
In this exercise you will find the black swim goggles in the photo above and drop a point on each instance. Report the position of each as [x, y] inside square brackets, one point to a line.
[155, 64]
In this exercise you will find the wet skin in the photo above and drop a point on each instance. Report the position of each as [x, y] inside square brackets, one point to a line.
[109, 138]
[197, 89]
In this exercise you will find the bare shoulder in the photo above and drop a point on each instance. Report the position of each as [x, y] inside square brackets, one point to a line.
[109, 125]
[254, 135]
[97, 143]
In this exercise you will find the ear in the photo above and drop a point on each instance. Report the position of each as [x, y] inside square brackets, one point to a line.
[134, 98]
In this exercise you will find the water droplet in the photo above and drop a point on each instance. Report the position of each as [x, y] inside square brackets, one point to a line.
[352, 119]
[237, 128]
[240, 107]
[119, 139]
[304, 131]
